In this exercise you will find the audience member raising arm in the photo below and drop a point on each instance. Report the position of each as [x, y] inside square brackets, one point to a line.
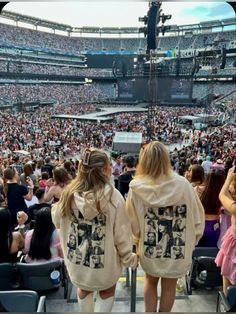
[227, 254]
[11, 242]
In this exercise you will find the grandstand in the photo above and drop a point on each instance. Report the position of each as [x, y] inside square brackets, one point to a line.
[87, 84]
[203, 53]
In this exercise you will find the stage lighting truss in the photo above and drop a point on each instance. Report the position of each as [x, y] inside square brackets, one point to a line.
[151, 21]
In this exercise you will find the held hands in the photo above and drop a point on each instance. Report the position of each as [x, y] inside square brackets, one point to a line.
[136, 262]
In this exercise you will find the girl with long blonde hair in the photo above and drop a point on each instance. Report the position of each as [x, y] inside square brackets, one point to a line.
[158, 189]
[87, 203]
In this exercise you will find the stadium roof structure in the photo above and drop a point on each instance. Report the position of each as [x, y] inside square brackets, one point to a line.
[35, 21]
[107, 30]
[111, 30]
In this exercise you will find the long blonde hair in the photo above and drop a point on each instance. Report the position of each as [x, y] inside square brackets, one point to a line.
[154, 161]
[90, 178]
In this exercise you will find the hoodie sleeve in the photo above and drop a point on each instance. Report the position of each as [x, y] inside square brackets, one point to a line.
[56, 217]
[198, 214]
[123, 236]
[133, 217]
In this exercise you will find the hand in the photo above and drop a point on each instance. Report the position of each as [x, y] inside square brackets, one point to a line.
[22, 217]
[231, 175]
[135, 261]
[30, 182]
[49, 182]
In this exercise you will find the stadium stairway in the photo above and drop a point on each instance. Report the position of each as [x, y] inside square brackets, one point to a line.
[199, 301]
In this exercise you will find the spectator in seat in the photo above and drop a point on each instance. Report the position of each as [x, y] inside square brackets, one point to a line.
[42, 243]
[11, 242]
[28, 172]
[117, 170]
[43, 180]
[125, 178]
[16, 194]
[18, 165]
[196, 177]
[39, 193]
[68, 165]
[56, 185]
[206, 164]
[226, 256]
[212, 205]
[37, 171]
[48, 167]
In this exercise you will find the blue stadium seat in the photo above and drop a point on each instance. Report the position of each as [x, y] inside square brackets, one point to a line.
[7, 276]
[203, 273]
[21, 301]
[37, 276]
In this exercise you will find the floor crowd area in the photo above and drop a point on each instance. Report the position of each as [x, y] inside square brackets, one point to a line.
[152, 230]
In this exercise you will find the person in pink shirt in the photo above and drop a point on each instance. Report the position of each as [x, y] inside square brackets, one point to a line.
[42, 243]
[43, 180]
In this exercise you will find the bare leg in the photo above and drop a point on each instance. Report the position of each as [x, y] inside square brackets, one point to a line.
[104, 294]
[105, 300]
[226, 284]
[168, 290]
[83, 293]
[150, 293]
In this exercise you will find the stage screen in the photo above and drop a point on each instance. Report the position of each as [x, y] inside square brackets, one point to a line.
[164, 89]
[181, 89]
[125, 89]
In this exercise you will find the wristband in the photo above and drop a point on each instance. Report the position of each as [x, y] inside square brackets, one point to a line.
[30, 188]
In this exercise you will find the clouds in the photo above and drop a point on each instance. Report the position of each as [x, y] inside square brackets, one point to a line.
[220, 9]
[122, 13]
[211, 11]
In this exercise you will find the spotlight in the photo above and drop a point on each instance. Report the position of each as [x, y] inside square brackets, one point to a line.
[143, 19]
[164, 18]
[143, 30]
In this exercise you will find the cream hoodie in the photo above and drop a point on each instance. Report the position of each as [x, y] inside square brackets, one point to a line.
[96, 245]
[167, 220]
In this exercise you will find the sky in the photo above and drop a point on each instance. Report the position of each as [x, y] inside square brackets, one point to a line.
[119, 14]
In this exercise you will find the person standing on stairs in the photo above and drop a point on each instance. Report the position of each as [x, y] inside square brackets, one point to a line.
[88, 204]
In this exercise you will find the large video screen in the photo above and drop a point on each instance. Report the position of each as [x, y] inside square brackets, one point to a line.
[181, 89]
[125, 89]
[161, 89]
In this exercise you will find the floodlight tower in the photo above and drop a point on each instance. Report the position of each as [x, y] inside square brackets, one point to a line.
[151, 31]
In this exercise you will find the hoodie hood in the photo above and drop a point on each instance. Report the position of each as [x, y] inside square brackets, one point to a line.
[86, 203]
[147, 205]
[167, 191]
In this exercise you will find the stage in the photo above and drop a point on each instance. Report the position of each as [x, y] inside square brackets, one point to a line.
[105, 114]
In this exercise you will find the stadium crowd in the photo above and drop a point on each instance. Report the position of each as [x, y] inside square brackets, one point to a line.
[59, 196]
[40, 159]
[72, 94]
[18, 36]
[61, 93]
[66, 70]
[62, 137]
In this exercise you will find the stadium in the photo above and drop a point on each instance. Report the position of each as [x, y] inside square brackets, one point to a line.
[66, 89]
